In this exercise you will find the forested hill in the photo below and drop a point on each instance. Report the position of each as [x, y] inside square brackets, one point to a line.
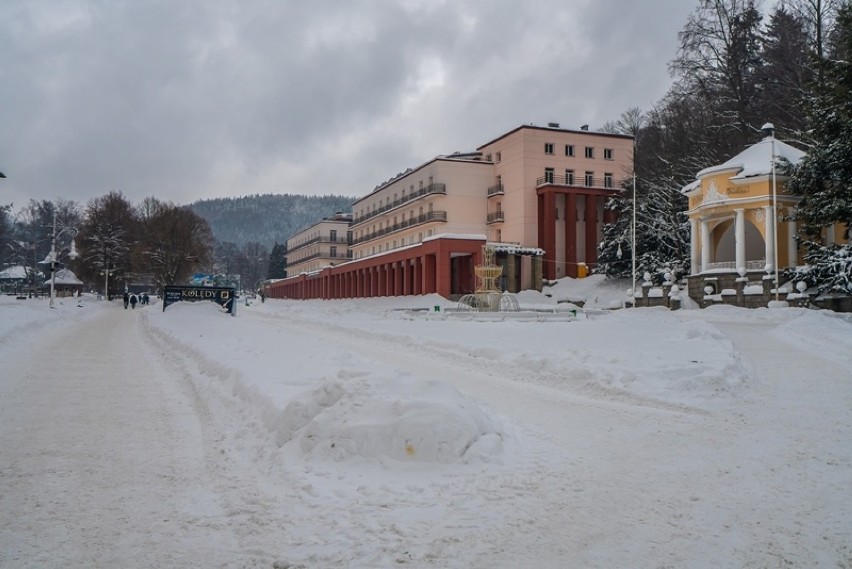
[268, 218]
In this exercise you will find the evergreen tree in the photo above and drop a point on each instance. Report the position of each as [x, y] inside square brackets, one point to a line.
[824, 176]
[277, 262]
[785, 74]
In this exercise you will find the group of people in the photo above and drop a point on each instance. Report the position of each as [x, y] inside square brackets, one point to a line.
[133, 299]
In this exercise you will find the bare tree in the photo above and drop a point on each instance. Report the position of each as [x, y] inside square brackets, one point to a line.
[718, 60]
[106, 236]
[176, 242]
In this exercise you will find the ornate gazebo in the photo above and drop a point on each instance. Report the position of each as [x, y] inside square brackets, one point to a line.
[739, 214]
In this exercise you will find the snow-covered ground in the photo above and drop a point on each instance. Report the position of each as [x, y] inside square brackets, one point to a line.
[383, 433]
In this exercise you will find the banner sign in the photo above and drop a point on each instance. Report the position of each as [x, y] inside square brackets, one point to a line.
[223, 296]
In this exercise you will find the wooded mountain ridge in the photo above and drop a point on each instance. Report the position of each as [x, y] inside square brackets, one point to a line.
[267, 219]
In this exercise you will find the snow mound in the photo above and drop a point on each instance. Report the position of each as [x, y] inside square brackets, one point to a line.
[402, 418]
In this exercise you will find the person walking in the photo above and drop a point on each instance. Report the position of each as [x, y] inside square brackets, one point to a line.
[133, 301]
[126, 299]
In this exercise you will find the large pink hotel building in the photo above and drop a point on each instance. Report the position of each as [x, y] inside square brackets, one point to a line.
[536, 194]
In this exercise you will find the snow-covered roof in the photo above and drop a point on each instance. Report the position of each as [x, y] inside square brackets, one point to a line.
[756, 160]
[16, 272]
[65, 277]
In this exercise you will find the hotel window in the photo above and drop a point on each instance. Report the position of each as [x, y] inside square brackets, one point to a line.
[608, 180]
[499, 236]
[569, 150]
[548, 148]
[332, 235]
[569, 177]
[607, 153]
[548, 175]
[488, 158]
[590, 152]
[499, 156]
[332, 252]
[590, 179]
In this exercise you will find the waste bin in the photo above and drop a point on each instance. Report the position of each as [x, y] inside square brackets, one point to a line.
[582, 270]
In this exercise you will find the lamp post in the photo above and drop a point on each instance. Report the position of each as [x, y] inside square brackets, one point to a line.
[633, 248]
[52, 256]
[769, 130]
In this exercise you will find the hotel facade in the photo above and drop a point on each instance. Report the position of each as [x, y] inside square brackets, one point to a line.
[535, 194]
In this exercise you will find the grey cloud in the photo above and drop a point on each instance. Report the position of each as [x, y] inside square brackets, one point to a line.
[198, 98]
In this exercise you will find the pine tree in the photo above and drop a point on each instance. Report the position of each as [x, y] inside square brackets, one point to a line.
[824, 176]
[277, 262]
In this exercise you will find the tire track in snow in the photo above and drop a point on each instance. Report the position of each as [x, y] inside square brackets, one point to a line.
[102, 462]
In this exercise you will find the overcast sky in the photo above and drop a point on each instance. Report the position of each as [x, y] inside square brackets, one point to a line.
[192, 99]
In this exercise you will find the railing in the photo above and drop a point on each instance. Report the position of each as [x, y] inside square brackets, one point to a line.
[494, 217]
[732, 266]
[292, 262]
[495, 190]
[417, 220]
[580, 182]
[320, 239]
[434, 188]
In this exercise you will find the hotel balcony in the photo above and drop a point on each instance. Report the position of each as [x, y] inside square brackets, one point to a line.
[434, 188]
[605, 183]
[432, 216]
[320, 239]
[495, 190]
[495, 217]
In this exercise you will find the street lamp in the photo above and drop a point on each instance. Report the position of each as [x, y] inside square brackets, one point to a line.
[52, 256]
[769, 130]
[633, 247]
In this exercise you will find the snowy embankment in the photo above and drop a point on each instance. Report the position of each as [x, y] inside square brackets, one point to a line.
[321, 398]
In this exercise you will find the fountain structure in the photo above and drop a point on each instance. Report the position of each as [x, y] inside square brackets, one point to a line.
[488, 297]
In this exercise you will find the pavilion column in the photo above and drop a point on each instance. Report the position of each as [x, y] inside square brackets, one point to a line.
[830, 236]
[739, 239]
[770, 237]
[705, 245]
[792, 258]
[693, 247]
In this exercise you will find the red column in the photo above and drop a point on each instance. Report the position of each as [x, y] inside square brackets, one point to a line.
[418, 275]
[571, 235]
[591, 230]
[429, 282]
[389, 279]
[547, 230]
[406, 277]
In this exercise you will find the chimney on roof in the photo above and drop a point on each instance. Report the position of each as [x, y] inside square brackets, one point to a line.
[553, 124]
[768, 130]
[584, 127]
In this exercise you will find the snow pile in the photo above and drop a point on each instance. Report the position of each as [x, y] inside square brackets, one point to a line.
[364, 412]
[594, 291]
[400, 417]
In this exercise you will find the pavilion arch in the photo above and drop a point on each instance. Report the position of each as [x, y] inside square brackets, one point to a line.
[723, 239]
